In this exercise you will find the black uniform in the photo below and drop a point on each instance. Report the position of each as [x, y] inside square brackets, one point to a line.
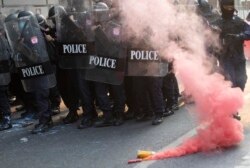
[231, 58]
[233, 32]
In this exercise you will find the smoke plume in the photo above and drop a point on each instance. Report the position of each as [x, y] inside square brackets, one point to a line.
[179, 34]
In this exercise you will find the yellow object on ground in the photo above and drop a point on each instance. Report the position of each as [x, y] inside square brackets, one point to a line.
[143, 154]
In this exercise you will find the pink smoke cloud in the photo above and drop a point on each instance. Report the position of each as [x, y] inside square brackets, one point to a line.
[178, 33]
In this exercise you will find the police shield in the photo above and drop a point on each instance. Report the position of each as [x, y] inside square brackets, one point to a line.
[30, 54]
[5, 53]
[145, 61]
[75, 38]
[110, 57]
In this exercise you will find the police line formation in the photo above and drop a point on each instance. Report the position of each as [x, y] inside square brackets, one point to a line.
[79, 53]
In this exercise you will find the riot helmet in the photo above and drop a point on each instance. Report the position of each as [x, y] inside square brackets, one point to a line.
[78, 6]
[204, 6]
[25, 14]
[109, 3]
[51, 13]
[55, 10]
[227, 8]
[101, 12]
[41, 21]
[101, 6]
[23, 24]
[11, 17]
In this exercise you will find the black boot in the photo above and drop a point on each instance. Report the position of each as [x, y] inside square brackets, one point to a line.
[168, 112]
[20, 108]
[129, 115]
[158, 119]
[45, 123]
[71, 117]
[118, 119]
[175, 106]
[105, 122]
[1, 118]
[55, 110]
[6, 123]
[85, 123]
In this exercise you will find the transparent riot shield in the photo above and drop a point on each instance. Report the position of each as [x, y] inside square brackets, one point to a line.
[110, 57]
[30, 54]
[145, 61]
[75, 38]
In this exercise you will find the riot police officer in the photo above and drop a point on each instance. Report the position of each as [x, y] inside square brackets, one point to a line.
[145, 64]
[67, 78]
[110, 75]
[55, 98]
[233, 31]
[33, 65]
